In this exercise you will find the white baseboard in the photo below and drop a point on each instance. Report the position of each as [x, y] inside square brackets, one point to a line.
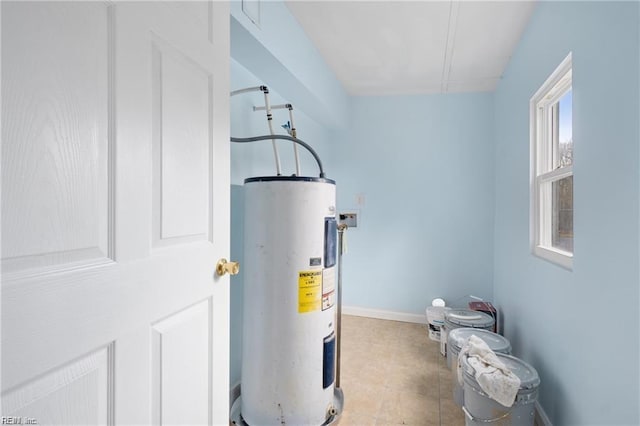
[541, 417]
[382, 314]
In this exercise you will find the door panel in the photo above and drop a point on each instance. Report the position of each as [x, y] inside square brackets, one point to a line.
[182, 145]
[56, 181]
[115, 179]
[78, 393]
[180, 343]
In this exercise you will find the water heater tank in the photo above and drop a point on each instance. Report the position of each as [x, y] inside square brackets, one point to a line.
[289, 338]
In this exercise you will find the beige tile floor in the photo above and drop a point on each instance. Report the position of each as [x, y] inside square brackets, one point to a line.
[392, 374]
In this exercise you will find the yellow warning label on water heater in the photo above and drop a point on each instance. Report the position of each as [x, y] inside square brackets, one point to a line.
[309, 291]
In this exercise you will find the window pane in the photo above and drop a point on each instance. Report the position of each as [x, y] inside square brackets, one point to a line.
[565, 132]
[562, 217]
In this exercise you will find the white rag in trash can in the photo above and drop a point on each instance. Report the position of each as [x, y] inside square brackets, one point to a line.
[495, 378]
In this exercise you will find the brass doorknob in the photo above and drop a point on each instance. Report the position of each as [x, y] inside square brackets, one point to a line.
[225, 267]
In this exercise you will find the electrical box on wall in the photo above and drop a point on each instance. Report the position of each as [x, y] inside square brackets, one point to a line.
[349, 218]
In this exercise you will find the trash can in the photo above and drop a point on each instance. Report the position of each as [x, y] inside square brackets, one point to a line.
[480, 409]
[463, 318]
[456, 340]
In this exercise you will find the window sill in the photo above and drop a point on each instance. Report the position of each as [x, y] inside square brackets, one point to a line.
[559, 257]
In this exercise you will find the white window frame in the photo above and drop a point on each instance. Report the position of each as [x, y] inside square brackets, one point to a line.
[542, 108]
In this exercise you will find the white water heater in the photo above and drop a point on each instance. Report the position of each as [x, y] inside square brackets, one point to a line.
[289, 328]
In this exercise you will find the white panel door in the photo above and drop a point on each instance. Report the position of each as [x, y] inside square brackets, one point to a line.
[115, 210]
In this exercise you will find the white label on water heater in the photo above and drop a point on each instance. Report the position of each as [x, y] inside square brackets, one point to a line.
[328, 288]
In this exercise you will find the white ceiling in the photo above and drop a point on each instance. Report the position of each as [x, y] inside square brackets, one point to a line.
[395, 47]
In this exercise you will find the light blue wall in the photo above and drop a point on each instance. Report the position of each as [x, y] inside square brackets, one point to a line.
[279, 51]
[444, 181]
[580, 329]
[424, 166]
[257, 159]
[236, 309]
